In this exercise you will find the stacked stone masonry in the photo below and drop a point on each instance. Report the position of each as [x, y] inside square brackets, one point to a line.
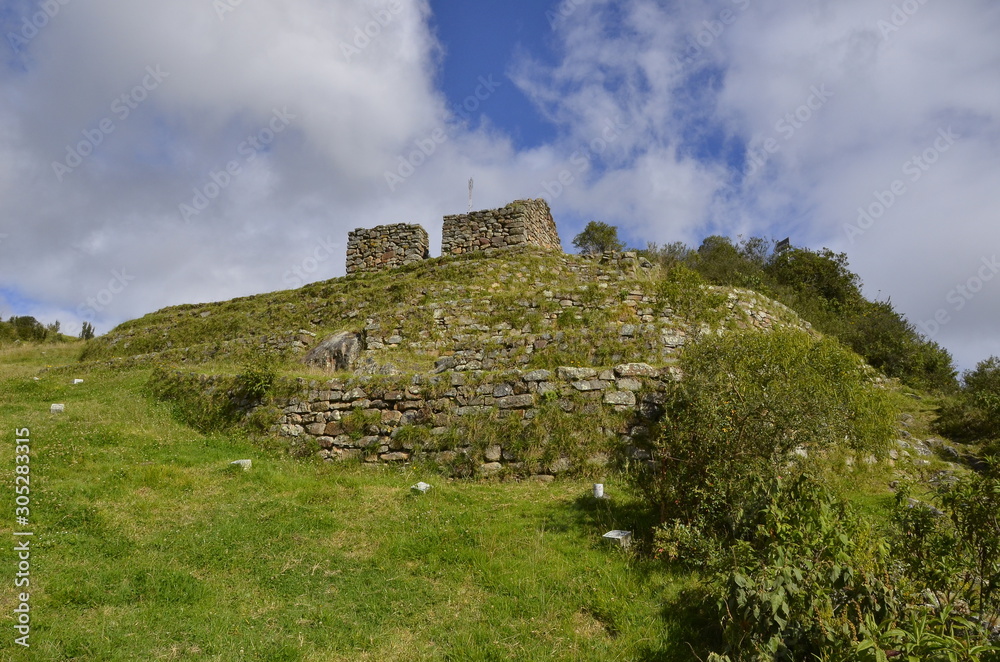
[519, 223]
[440, 402]
[385, 247]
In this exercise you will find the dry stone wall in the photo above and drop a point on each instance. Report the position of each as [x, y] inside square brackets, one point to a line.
[385, 246]
[519, 223]
[367, 420]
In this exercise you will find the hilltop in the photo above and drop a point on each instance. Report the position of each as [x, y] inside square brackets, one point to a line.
[526, 308]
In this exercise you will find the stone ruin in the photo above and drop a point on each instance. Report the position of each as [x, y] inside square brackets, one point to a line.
[385, 247]
[521, 223]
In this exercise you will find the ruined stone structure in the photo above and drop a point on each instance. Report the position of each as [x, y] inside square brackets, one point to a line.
[521, 222]
[385, 246]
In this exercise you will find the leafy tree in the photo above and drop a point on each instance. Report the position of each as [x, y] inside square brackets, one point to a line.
[87, 331]
[823, 274]
[28, 328]
[597, 238]
[892, 344]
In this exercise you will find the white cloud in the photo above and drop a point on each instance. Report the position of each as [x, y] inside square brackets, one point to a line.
[653, 103]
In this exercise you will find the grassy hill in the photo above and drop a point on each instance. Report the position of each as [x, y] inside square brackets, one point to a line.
[148, 545]
[603, 313]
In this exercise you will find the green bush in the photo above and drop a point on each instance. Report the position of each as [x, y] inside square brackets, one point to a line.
[812, 574]
[257, 377]
[687, 293]
[950, 563]
[748, 399]
[974, 414]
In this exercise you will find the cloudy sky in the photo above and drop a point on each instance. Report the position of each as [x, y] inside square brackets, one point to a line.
[156, 153]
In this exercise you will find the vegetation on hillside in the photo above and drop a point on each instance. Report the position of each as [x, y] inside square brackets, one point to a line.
[974, 413]
[598, 237]
[820, 287]
[28, 329]
[791, 570]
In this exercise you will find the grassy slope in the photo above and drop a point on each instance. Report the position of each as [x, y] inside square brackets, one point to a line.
[148, 547]
[489, 292]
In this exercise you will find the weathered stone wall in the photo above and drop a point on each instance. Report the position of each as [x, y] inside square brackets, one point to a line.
[320, 414]
[385, 246]
[519, 223]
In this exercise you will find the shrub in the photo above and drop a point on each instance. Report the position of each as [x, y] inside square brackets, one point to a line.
[723, 263]
[667, 256]
[974, 414]
[256, 379]
[813, 574]
[890, 343]
[687, 293]
[747, 401]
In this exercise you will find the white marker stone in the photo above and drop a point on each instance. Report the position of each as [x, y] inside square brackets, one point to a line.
[77, 381]
[420, 487]
[246, 464]
[57, 409]
[623, 538]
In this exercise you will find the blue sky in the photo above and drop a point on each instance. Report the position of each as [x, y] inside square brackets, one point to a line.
[482, 39]
[869, 127]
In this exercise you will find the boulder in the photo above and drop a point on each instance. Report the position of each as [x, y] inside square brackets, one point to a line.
[338, 352]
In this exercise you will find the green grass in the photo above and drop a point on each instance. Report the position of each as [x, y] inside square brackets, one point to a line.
[148, 546]
[505, 294]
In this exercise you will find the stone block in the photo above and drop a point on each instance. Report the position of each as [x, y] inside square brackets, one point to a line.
[626, 398]
[537, 376]
[636, 370]
[516, 401]
[575, 374]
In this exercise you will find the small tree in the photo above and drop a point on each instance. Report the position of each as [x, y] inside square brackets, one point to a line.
[87, 332]
[598, 238]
